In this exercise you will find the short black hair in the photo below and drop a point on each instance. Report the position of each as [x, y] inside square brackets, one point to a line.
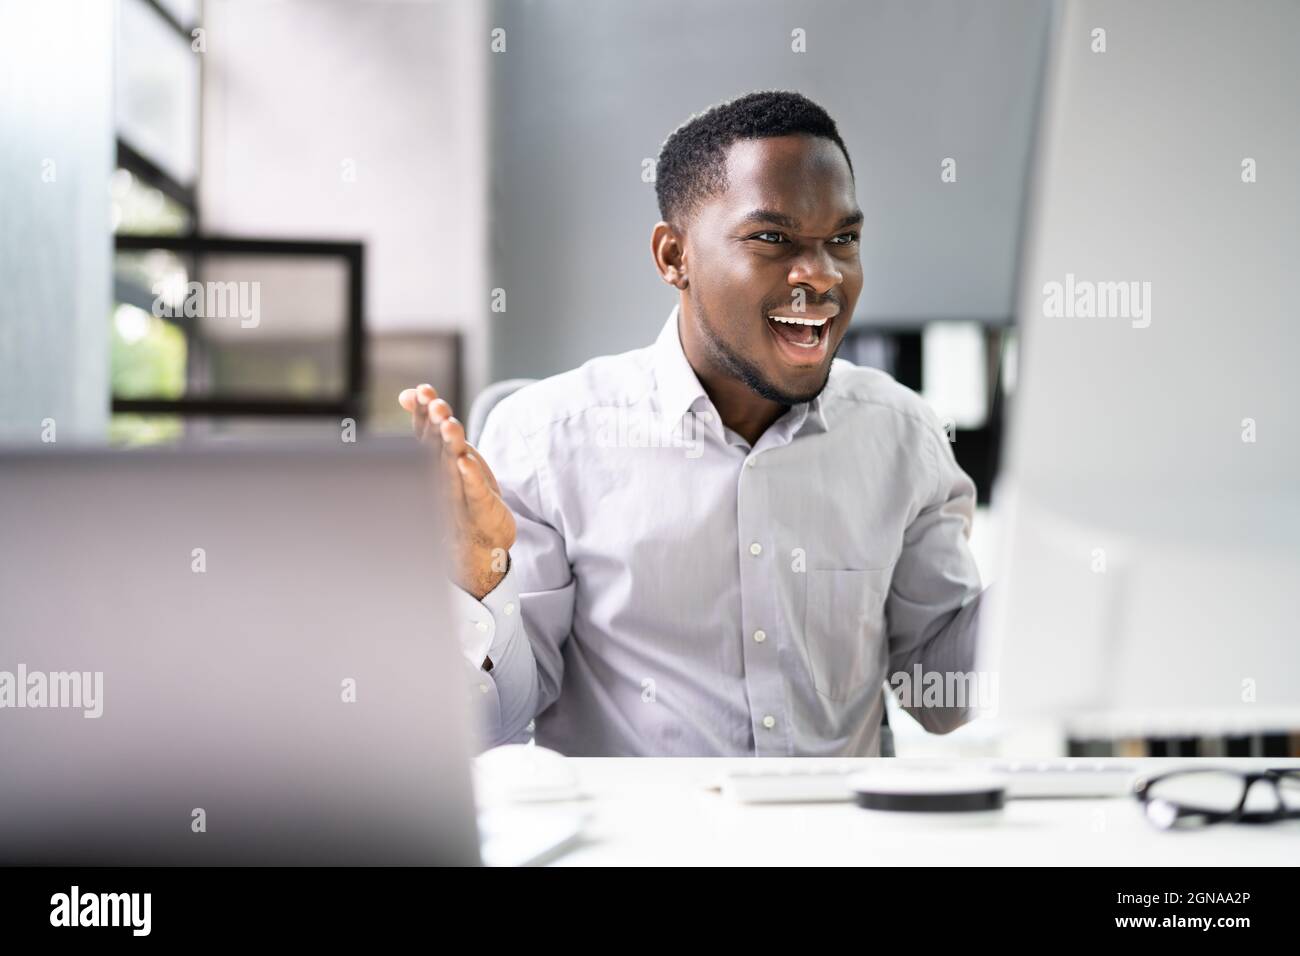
[692, 163]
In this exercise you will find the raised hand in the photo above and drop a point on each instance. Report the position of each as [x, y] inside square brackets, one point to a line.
[483, 526]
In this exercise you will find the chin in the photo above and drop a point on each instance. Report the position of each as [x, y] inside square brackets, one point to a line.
[793, 390]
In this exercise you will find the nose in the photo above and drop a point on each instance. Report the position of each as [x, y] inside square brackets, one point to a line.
[816, 271]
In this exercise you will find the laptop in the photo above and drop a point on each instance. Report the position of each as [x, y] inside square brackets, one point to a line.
[229, 655]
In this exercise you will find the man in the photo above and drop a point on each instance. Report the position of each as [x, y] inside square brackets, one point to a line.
[724, 543]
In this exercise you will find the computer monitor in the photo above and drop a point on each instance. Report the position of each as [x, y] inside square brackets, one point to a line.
[1150, 505]
[242, 656]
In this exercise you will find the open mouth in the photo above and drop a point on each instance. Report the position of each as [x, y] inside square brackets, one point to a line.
[802, 338]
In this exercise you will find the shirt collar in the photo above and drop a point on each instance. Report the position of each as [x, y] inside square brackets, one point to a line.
[679, 388]
[675, 380]
[817, 408]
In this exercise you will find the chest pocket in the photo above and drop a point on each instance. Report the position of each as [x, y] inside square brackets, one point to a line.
[844, 627]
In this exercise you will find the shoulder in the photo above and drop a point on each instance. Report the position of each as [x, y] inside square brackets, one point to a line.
[605, 381]
[856, 388]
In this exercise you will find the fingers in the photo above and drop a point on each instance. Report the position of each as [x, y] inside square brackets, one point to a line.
[438, 411]
[450, 433]
[409, 398]
[453, 449]
[438, 418]
[453, 434]
[475, 477]
[416, 401]
[467, 473]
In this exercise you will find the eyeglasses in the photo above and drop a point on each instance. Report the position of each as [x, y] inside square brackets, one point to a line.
[1186, 799]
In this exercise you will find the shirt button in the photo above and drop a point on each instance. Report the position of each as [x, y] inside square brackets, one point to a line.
[755, 549]
[510, 608]
[760, 636]
[749, 462]
[769, 721]
[481, 625]
[483, 688]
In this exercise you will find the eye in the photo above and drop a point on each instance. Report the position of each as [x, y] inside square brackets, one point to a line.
[849, 237]
[778, 237]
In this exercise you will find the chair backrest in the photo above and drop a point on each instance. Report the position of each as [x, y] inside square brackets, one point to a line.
[488, 399]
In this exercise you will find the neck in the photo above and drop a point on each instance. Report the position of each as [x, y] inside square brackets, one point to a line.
[743, 411]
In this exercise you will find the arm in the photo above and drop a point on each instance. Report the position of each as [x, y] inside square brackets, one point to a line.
[934, 598]
[511, 589]
[529, 613]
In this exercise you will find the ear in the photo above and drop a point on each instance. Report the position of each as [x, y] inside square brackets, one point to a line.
[668, 247]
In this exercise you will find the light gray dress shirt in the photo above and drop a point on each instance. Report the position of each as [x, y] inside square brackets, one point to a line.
[674, 591]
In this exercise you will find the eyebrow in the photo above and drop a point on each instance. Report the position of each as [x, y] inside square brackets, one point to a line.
[757, 216]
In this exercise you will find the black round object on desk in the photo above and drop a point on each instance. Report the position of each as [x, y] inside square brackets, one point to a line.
[920, 792]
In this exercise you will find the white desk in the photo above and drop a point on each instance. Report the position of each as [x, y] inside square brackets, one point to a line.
[656, 811]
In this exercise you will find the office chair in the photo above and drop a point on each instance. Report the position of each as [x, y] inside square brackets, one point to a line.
[487, 400]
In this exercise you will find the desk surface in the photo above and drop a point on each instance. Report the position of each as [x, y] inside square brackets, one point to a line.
[659, 811]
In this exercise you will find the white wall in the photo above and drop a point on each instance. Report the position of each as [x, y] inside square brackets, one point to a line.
[296, 89]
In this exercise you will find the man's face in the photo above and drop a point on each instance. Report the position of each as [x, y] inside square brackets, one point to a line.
[780, 241]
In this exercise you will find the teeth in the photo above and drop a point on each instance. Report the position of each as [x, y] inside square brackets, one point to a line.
[815, 323]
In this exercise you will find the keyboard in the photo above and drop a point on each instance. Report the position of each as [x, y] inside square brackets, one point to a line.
[1025, 780]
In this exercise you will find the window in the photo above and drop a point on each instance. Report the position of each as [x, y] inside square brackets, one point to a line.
[206, 330]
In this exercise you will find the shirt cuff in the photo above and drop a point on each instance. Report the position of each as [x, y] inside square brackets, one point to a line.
[484, 628]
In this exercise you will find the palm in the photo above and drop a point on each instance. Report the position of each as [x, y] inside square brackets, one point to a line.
[484, 526]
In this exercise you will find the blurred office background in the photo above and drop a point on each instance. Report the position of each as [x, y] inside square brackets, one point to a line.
[383, 170]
